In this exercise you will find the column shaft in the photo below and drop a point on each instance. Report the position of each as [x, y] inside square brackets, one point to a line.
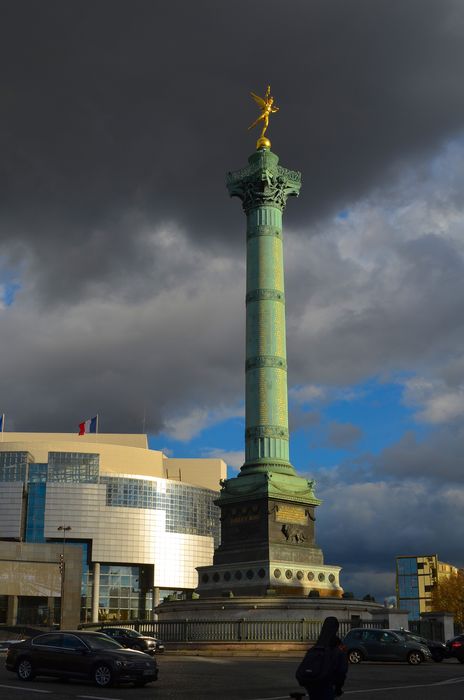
[95, 591]
[266, 437]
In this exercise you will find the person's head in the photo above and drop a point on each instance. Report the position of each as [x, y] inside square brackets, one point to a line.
[328, 632]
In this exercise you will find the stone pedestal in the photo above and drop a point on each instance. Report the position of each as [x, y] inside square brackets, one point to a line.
[392, 618]
[442, 622]
[268, 544]
[272, 608]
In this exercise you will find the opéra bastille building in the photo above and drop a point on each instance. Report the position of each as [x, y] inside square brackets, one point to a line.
[140, 521]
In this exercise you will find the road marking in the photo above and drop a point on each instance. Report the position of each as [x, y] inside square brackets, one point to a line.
[21, 687]
[403, 687]
[450, 681]
[210, 660]
[96, 697]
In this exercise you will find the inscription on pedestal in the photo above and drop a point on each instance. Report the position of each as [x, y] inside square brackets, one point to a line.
[287, 513]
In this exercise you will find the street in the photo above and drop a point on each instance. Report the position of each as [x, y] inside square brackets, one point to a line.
[239, 678]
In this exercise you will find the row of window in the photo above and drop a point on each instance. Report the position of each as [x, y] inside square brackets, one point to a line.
[69, 467]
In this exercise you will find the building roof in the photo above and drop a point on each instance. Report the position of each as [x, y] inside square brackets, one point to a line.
[119, 454]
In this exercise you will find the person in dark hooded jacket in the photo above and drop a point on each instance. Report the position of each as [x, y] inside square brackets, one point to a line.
[332, 685]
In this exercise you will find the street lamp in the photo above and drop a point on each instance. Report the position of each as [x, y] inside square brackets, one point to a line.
[64, 529]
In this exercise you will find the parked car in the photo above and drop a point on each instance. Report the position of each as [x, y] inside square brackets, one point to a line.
[437, 649]
[455, 648]
[134, 640]
[72, 654]
[364, 644]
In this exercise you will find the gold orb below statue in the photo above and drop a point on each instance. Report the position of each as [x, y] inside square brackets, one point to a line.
[263, 142]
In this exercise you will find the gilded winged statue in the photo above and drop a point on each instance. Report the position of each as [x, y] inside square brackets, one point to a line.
[267, 106]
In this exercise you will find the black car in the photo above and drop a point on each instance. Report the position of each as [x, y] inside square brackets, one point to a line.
[134, 640]
[363, 644]
[437, 649]
[455, 648]
[72, 654]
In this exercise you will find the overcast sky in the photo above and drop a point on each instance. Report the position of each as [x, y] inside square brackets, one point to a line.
[122, 259]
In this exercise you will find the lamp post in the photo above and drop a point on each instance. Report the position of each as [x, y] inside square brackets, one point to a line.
[64, 529]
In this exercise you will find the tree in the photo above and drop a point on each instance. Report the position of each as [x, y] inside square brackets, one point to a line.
[448, 596]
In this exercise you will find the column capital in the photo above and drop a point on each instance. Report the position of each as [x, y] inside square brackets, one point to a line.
[263, 182]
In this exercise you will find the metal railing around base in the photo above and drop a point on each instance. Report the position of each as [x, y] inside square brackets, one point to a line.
[242, 630]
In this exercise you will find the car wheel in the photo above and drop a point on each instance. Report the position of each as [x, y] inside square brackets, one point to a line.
[103, 675]
[24, 670]
[438, 658]
[355, 656]
[461, 659]
[415, 658]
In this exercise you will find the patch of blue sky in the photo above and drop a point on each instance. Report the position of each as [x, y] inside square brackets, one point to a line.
[343, 214]
[376, 408]
[10, 289]
[227, 436]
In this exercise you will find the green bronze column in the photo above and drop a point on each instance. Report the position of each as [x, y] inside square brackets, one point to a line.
[263, 188]
[267, 511]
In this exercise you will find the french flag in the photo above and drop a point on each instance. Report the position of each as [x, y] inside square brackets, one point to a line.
[88, 426]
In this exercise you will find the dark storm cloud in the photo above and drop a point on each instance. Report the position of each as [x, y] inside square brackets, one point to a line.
[366, 525]
[118, 121]
[343, 434]
[437, 458]
[117, 108]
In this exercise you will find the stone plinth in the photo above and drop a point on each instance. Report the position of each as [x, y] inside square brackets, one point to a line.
[270, 608]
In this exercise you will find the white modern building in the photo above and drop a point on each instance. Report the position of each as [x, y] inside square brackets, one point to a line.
[143, 521]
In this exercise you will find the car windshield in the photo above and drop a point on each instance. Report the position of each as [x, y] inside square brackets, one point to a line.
[132, 633]
[102, 642]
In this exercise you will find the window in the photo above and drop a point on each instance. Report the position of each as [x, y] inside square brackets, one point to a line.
[387, 638]
[73, 467]
[371, 635]
[189, 509]
[70, 641]
[13, 466]
[48, 640]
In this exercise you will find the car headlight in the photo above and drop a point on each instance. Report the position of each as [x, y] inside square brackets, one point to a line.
[121, 664]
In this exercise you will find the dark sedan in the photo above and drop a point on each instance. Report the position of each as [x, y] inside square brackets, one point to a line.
[437, 649]
[90, 655]
[455, 648]
[134, 640]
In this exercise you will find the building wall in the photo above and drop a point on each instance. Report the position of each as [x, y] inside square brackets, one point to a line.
[127, 534]
[11, 510]
[148, 518]
[416, 578]
[32, 570]
[119, 454]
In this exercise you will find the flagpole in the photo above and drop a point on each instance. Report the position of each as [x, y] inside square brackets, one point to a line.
[3, 424]
[97, 424]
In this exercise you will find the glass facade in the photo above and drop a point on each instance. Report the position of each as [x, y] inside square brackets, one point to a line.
[142, 531]
[123, 595]
[35, 518]
[416, 578]
[73, 467]
[13, 466]
[189, 509]
[38, 473]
